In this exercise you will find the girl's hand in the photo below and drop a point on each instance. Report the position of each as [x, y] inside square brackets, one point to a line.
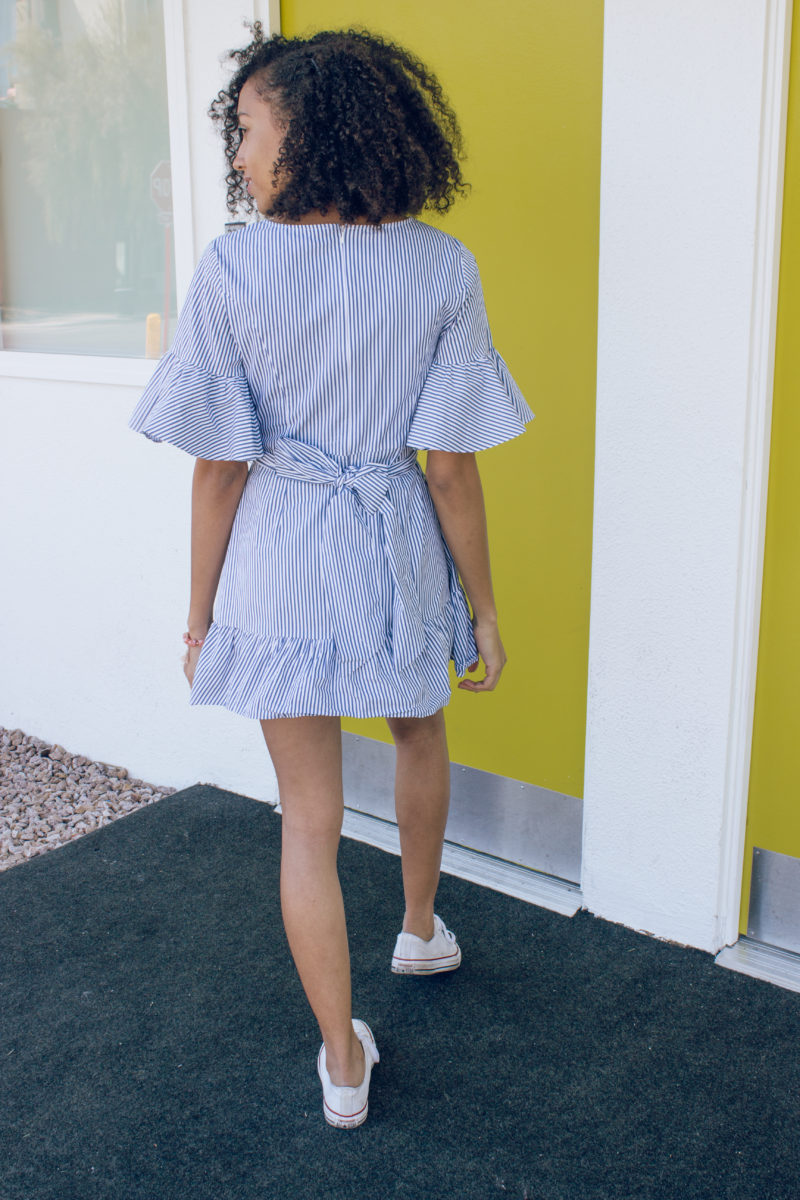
[490, 648]
[190, 661]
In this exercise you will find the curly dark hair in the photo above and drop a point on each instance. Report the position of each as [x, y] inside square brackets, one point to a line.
[369, 131]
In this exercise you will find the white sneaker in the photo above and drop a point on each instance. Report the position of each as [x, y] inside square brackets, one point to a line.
[415, 956]
[346, 1107]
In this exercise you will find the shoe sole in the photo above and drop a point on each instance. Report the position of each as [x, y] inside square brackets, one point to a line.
[406, 967]
[339, 1122]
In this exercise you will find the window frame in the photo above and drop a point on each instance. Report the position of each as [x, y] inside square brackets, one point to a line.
[194, 157]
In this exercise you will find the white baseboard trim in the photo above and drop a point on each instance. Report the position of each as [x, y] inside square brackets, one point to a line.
[544, 890]
[781, 967]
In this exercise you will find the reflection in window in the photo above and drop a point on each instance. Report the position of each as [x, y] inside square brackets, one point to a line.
[86, 261]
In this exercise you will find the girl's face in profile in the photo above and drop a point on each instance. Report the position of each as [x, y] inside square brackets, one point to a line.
[261, 138]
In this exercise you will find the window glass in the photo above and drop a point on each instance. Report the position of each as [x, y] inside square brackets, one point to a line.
[86, 258]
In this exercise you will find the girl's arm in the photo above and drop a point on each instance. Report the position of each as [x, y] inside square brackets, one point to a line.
[455, 487]
[216, 491]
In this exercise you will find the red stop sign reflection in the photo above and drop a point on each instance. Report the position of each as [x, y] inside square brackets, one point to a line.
[161, 187]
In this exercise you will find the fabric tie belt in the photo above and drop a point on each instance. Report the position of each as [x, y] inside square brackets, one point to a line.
[362, 531]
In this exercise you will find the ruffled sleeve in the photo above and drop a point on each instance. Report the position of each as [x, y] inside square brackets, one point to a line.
[469, 400]
[198, 397]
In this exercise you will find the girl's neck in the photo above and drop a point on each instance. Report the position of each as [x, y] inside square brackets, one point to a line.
[331, 217]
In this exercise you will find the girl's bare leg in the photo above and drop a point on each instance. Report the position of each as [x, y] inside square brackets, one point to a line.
[307, 755]
[422, 800]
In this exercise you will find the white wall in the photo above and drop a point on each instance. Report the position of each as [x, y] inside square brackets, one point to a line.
[686, 190]
[96, 534]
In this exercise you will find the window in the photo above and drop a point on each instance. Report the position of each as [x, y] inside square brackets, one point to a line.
[86, 253]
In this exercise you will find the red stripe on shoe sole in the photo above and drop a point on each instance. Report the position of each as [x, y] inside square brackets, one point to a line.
[346, 1116]
[438, 958]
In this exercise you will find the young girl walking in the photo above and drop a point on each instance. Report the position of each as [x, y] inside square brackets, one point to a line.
[325, 344]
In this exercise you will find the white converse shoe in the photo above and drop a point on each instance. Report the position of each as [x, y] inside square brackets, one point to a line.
[346, 1107]
[415, 956]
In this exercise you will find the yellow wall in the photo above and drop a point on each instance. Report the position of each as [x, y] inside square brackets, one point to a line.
[773, 814]
[525, 80]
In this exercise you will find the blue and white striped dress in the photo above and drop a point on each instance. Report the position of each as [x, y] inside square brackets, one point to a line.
[326, 356]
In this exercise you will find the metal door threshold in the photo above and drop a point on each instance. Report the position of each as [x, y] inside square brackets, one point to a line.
[762, 961]
[504, 820]
[525, 884]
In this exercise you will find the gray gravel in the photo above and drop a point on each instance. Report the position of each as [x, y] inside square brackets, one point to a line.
[49, 796]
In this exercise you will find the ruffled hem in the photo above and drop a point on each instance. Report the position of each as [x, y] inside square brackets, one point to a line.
[268, 677]
[208, 416]
[466, 407]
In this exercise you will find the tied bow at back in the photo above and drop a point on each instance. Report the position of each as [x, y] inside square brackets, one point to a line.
[362, 531]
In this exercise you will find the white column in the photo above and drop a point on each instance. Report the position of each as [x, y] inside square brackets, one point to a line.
[692, 161]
